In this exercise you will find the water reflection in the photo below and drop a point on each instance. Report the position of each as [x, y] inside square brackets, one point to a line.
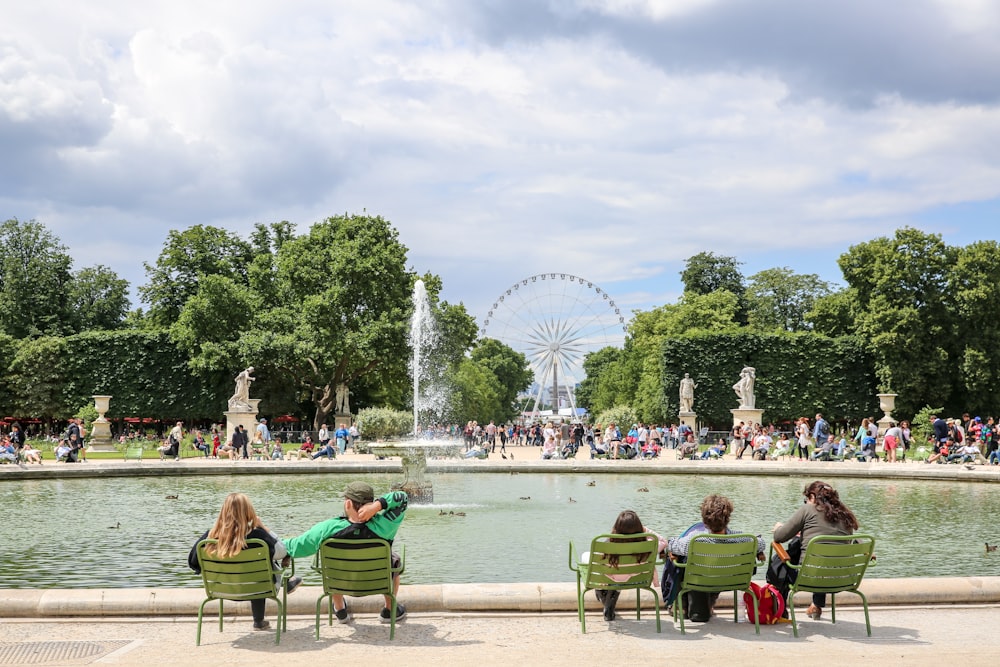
[53, 541]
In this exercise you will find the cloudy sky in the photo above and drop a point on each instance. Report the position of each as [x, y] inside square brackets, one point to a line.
[608, 139]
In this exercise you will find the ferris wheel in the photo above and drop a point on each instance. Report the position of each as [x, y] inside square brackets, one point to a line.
[555, 320]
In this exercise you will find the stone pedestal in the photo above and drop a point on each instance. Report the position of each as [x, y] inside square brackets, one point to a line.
[99, 439]
[888, 403]
[690, 419]
[747, 416]
[248, 418]
[339, 419]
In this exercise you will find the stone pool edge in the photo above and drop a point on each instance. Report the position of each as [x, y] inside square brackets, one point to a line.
[520, 598]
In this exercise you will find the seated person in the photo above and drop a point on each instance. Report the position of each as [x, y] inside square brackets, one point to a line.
[651, 449]
[715, 513]
[169, 449]
[688, 449]
[364, 517]
[867, 452]
[305, 450]
[840, 449]
[823, 450]
[277, 453]
[238, 522]
[782, 448]
[966, 454]
[229, 450]
[627, 523]
[940, 451]
[328, 450]
[8, 452]
[476, 452]
[761, 446]
[32, 454]
[568, 450]
[597, 448]
[200, 444]
[549, 449]
[62, 450]
[716, 451]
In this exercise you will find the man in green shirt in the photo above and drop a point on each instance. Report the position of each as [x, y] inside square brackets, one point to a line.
[364, 517]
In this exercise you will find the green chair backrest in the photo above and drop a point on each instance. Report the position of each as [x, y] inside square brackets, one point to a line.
[636, 567]
[834, 563]
[355, 567]
[718, 563]
[249, 575]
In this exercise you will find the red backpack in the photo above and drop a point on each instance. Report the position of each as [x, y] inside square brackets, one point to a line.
[769, 602]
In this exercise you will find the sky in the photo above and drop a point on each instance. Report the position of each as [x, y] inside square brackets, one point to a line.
[608, 139]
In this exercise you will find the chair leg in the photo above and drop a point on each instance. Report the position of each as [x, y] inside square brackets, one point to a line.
[392, 618]
[791, 612]
[319, 606]
[656, 607]
[281, 619]
[864, 602]
[201, 609]
[679, 609]
[756, 614]
[833, 607]
[220, 615]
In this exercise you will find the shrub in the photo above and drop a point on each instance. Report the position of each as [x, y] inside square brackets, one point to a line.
[622, 415]
[382, 423]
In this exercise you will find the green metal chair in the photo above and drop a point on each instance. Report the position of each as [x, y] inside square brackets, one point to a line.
[357, 568]
[249, 575]
[833, 564]
[133, 452]
[716, 566]
[636, 561]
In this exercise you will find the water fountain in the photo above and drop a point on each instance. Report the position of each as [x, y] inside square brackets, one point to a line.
[413, 453]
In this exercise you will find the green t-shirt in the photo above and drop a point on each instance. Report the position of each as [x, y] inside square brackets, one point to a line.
[384, 525]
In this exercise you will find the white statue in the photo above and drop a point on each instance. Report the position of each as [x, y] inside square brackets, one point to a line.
[342, 399]
[687, 393]
[744, 388]
[240, 400]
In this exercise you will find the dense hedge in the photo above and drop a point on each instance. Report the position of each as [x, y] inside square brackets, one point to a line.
[797, 375]
[143, 371]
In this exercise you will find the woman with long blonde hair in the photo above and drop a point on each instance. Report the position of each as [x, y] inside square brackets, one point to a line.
[237, 522]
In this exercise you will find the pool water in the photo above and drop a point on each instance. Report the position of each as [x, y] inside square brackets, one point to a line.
[516, 528]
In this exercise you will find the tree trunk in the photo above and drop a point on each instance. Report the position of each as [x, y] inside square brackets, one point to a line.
[324, 406]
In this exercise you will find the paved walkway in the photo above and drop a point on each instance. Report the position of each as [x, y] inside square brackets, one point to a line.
[920, 635]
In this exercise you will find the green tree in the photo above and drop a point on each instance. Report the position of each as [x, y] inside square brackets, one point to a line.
[834, 314]
[34, 277]
[607, 382]
[332, 307]
[99, 298]
[707, 272]
[475, 393]
[186, 258]
[779, 299]
[975, 289]
[713, 312]
[511, 370]
[903, 315]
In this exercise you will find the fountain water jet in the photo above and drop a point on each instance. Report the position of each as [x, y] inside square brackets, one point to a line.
[413, 454]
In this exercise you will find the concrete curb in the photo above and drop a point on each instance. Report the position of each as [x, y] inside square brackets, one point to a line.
[366, 464]
[502, 598]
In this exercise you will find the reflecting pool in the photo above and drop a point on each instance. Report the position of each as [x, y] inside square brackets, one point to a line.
[59, 533]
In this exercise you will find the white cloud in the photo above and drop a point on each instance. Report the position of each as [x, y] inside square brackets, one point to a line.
[579, 148]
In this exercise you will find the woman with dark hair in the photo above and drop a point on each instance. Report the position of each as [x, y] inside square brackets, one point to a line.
[627, 523]
[821, 513]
